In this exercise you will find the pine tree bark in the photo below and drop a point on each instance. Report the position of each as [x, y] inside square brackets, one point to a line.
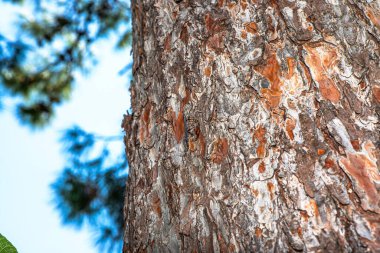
[255, 126]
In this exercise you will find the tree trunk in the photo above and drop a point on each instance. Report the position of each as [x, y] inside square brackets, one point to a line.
[255, 126]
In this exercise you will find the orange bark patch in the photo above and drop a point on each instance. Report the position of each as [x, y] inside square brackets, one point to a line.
[271, 71]
[299, 231]
[178, 122]
[216, 42]
[321, 151]
[329, 91]
[355, 144]
[291, 65]
[212, 25]
[371, 149]
[199, 144]
[319, 63]
[329, 163]
[374, 18]
[255, 192]
[222, 244]
[192, 146]
[376, 93]
[314, 207]
[186, 99]
[232, 247]
[184, 36]
[146, 113]
[244, 34]
[363, 172]
[220, 150]
[178, 126]
[251, 27]
[231, 5]
[145, 122]
[304, 215]
[209, 22]
[156, 205]
[258, 232]
[207, 71]
[262, 167]
[167, 43]
[272, 97]
[270, 187]
[362, 85]
[293, 77]
[260, 136]
[261, 150]
[289, 126]
[243, 4]
[175, 14]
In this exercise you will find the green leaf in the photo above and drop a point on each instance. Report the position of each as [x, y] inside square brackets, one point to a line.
[6, 246]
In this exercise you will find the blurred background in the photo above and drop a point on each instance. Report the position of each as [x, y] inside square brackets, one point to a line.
[65, 68]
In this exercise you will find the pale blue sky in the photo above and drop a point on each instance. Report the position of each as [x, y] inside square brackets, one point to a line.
[31, 160]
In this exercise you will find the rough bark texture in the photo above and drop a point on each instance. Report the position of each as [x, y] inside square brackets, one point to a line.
[255, 126]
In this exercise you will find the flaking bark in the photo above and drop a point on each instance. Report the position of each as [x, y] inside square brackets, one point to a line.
[255, 126]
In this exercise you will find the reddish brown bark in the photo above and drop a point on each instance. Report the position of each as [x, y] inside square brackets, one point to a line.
[255, 127]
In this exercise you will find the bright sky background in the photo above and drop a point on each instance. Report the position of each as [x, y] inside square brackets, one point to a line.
[31, 160]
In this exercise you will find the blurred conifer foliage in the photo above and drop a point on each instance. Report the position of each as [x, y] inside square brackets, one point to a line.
[90, 190]
[38, 70]
[39, 65]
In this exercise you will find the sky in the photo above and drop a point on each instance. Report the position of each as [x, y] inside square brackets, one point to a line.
[31, 160]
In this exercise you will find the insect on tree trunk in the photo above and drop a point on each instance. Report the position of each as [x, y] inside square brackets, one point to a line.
[255, 126]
